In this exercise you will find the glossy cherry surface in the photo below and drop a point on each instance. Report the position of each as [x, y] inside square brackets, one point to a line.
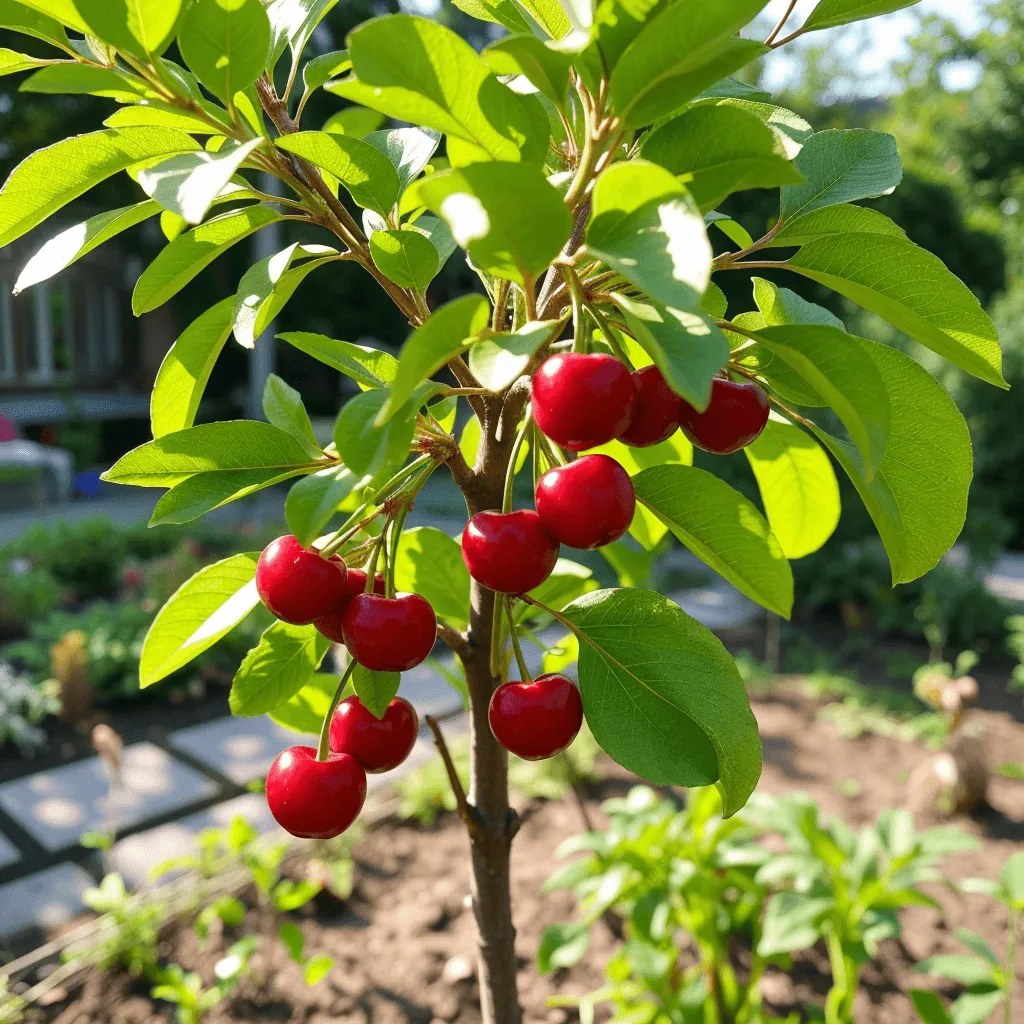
[735, 416]
[588, 503]
[297, 584]
[580, 401]
[536, 719]
[378, 744]
[355, 583]
[509, 552]
[656, 417]
[389, 634]
[315, 799]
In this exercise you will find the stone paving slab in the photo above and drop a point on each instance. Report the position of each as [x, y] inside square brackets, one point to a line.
[8, 851]
[57, 806]
[46, 900]
[242, 749]
[718, 607]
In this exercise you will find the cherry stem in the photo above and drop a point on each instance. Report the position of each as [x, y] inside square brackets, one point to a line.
[371, 564]
[324, 749]
[397, 525]
[579, 333]
[510, 473]
[497, 665]
[524, 672]
[609, 335]
[348, 530]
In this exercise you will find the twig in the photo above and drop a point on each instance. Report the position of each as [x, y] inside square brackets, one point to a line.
[457, 642]
[782, 23]
[467, 812]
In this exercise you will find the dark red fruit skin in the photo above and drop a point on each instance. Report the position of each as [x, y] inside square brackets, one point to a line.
[536, 720]
[657, 410]
[378, 744]
[355, 583]
[581, 401]
[296, 584]
[735, 416]
[509, 552]
[315, 799]
[588, 503]
[389, 634]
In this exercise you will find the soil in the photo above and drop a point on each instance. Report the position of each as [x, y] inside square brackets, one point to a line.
[404, 942]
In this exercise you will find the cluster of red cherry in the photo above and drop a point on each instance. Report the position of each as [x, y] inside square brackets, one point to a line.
[579, 401]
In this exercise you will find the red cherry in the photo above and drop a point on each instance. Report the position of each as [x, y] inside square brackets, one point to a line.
[657, 410]
[355, 583]
[581, 401]
[296, 584]
[378, 744]
[735, 416]
[538, 719]
[389, 634]
[508, 552]
[315, 799]
[588, 503]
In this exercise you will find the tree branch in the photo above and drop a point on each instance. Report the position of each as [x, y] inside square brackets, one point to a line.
[782, 23]
[467, 812]
[457, 642]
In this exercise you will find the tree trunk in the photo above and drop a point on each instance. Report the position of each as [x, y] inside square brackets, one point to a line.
[496, 823]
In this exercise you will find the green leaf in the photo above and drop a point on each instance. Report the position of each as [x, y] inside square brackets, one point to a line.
[355, 121]
[50, 178]
[368, 449]
[154, 113]
[317, 968]
[562, 946]
[836, 220]
[283, 662]
[439, 234]
[323, 68]
[721, 528]
[961, 968]
[198, 614]
[314, 500]
[798, 487]
[929, 1007]
[27, 20]
[663, 696]
[375, 689]
[508, 217]
[687, 349]
[304, 712]
[11, 62]
[780, 306]
[181, 260]
[406, 257]
[918, 497]
[364, 170]
[976, 1005]
[841, 166]
[140, 27]
[648, 228]
[82, 80]
[282, 405]
[408, 149]
[500, 359]
[189, 183]
[226, 44]
[234, 445]
[792, 921]
[546, 67]
[430, 563]
[977, 945]
[417, 70]
[1011, 878]
[370, 367]
[293, 23]
[568, 581]
[830, 13]
[186, 369]
[204, 492]
[497, 12]
[913, 290]
[718, 149]
[838, 368]
[679, 54]
[267, 286]
[75, 242]
[448, 331]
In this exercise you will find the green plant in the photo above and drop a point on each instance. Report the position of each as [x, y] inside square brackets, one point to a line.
[23, 705]
[185, 989]
[667, 873]
[987, 980]
[1015, 645]
[26, 596]
[567, 209]
[12, 1006]
[131, 939]
[844, 887]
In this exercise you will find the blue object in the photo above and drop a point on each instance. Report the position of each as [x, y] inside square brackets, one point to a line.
[88, 484]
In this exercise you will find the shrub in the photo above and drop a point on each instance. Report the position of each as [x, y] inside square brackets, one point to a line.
[23, 706]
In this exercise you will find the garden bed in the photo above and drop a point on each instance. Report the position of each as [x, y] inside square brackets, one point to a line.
[404, 941]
